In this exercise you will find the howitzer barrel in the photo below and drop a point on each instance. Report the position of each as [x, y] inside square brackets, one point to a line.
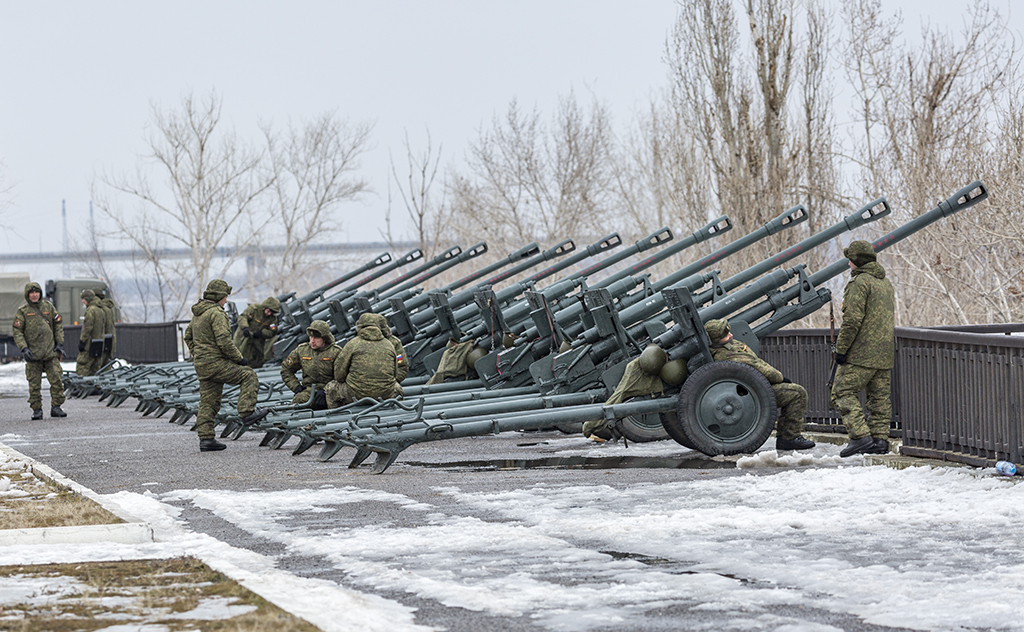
[380, 260]
[964, 198]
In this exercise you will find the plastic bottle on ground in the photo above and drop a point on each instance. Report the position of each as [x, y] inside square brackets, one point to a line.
[1006, 468]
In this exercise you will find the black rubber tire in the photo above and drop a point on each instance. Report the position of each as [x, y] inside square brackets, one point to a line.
[670, 422]
[727, 408]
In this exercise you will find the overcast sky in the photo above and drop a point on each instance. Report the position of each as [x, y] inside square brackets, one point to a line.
[78, 79]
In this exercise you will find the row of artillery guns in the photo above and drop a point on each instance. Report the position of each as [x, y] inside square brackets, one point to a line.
[530, 356]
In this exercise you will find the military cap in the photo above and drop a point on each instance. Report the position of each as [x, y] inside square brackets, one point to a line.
[216, 289]
[272, 304]
[318, 329]
[98, 291]
[88, 294]
[367, 319]
[717, 329]
[860, 252]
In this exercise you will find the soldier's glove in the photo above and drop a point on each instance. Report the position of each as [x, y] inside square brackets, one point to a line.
[786, 380]
[246, 332]
[81, 346]
[27, 354]
[298, 389]
[244, 362]
[840, 358]
[257, 335]
[60, 351]
[319, 399]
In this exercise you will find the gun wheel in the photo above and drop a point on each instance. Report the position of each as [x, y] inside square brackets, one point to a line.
[726, 408]
[642, 428]
[670, 422]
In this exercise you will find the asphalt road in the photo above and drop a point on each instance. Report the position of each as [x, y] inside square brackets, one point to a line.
[115, 449]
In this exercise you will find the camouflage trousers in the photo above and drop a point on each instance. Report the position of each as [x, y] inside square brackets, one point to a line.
[34, 374]
[212, 378]
[342, 394]
[792, 401]
[876, 383]
[87, 365]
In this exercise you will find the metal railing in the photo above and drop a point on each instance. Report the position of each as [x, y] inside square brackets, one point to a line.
[958, 392]
[137, 343]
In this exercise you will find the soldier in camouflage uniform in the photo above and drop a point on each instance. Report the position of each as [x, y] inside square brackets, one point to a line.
[109, 322]
[257, 331]
[367, 366]
[90, 340]
[316, 360]
[401, 363]
[39, 333]
[791, 398]
[865, 351]
[218, 362]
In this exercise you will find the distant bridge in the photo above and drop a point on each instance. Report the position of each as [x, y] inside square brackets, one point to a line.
[375, 247]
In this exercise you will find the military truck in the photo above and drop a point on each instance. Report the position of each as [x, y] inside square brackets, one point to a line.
[65, 296]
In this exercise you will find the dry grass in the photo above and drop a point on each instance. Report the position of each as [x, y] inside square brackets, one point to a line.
[30, 502]
[142, 593]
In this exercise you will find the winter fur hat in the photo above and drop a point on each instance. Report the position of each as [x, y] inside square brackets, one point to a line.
[860, 252]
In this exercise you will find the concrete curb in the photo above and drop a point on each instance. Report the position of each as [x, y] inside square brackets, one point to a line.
[131, 531]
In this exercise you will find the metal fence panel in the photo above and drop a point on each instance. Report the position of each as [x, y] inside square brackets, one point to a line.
[137, 343]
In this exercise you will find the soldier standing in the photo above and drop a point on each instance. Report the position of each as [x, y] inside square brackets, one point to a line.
[367, 366]
[257, 331]
[218, 362]
[39, 333]
[316, 360]
[791, 398]
[865, 352]
[109, 322]
[90, 341]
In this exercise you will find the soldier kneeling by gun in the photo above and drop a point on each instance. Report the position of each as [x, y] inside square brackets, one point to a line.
[791, 398]
[316, 360]
[367, 367]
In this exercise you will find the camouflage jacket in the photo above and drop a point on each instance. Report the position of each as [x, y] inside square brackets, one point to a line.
[94, 322]
[253, 319]
[107, 305]
[367, 364]
[208, 336]
[738, 352]
[866, 336]
[38, 326]
[401, 362]
[317, 365]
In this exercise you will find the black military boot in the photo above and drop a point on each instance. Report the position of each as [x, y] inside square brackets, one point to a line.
[37, 414]
[254, 416]
[863, 445]
[55, 411]
[881, 446]
[796, 443]
[210, 445]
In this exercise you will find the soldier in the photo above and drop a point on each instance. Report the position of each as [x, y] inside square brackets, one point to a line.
[39, 333]
[257, 331]
[218, 362]
[367, 366]
[791, 398]
[865, 352]
[90, 341]
[316, 360]
[109, 320]
[401, 363]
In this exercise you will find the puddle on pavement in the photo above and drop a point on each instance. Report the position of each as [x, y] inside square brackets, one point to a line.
[585, 463]
[676, 567]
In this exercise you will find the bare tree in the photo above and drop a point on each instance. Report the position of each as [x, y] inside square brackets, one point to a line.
[313, 172]
[196, 187]
[527, 181]
[429, 215]
[929, 113]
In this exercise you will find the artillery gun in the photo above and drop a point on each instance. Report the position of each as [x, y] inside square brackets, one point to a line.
[719, 408]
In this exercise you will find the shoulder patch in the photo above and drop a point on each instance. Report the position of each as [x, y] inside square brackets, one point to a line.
[17, 322]
[57, 318]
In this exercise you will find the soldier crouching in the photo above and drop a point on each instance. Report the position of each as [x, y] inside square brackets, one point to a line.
[366, 367]
[316, 360]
